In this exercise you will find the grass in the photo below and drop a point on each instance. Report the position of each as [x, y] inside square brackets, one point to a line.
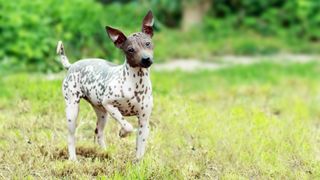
[259, 121]
[202, 45]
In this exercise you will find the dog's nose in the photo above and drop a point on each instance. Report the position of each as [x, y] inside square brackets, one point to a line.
[146, 62]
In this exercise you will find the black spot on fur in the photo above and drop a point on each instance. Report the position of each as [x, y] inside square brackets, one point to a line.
[138, 98]
[78, 94]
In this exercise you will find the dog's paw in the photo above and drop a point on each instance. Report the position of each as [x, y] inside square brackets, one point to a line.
[73, 159]
[126, 130]
[136, 161]
[124, 133]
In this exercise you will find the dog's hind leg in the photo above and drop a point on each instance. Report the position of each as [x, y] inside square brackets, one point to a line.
[72, 109]
[101, 122]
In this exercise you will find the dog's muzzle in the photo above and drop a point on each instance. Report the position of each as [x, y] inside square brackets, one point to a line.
[146, 62]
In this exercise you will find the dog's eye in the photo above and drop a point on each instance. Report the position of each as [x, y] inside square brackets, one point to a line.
[147, 44]
[131, 50]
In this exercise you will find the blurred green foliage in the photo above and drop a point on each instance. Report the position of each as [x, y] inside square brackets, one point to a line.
[30, 30]
[300, 18]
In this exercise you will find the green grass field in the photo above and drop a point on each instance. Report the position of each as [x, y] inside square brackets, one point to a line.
[258, 121]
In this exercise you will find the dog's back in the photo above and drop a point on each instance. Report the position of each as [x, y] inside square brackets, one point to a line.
[88, 79]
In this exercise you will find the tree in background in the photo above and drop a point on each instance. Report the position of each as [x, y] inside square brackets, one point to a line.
[180, 13]
[193, 12]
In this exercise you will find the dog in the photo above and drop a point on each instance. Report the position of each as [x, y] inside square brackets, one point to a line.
[117, 90]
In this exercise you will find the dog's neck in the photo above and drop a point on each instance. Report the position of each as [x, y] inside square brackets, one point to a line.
[135, 72]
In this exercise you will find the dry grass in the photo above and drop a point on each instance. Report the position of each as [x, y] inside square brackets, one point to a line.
[259, 121]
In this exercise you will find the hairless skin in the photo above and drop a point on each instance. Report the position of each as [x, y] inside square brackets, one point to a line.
[117, 90]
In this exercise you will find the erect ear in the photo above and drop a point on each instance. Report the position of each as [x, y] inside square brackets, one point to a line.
[117, 37]
[147, 23]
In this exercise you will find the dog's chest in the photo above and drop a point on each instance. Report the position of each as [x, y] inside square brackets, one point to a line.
[131, 93]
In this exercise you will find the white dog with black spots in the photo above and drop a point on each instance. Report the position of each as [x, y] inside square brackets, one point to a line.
[117, 90]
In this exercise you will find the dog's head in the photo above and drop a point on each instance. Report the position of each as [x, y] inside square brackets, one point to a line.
[137, 47]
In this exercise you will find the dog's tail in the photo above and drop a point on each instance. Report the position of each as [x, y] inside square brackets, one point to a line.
[64, 60]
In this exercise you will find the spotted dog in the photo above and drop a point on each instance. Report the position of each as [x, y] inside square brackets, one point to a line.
[117, 90]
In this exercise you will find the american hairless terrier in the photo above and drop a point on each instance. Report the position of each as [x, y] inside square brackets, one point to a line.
[118, 90]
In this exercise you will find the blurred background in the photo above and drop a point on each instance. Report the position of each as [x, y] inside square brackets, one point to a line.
[253, 115]
[187, 29]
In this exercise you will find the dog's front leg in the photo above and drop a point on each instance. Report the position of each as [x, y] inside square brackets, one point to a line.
[142, 135]
[126, 127]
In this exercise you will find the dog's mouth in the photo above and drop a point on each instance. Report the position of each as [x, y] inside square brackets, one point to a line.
[145, 65]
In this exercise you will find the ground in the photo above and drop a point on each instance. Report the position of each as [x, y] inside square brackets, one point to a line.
[256, 121]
